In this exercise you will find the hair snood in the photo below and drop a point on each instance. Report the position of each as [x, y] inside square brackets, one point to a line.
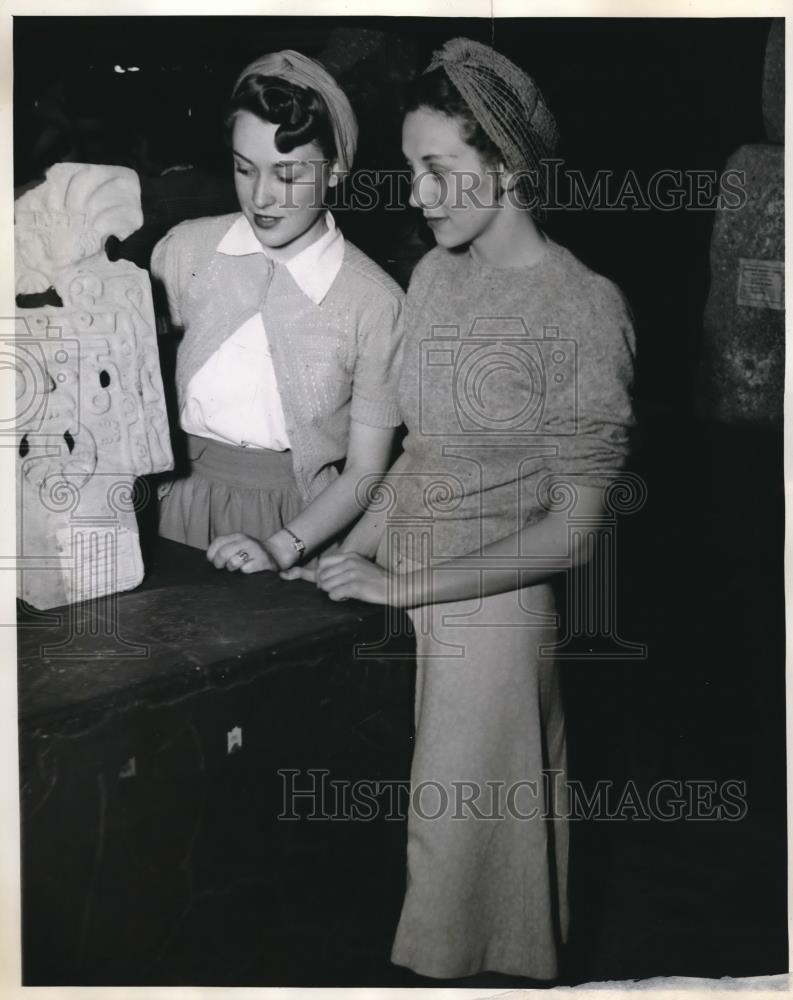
[299, 70]
[505, 101]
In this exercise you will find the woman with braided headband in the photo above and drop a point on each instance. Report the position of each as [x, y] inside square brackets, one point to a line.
[515, 388]
[286, 368]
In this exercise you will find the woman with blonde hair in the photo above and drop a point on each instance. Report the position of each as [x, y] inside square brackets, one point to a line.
[286, 371]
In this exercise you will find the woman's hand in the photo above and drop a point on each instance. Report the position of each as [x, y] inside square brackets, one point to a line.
[309, 573]
[233, 552]
[346, 575]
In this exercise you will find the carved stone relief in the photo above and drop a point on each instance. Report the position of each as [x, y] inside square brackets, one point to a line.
[91, 414]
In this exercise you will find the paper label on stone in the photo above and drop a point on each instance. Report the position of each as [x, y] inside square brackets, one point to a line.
[761, 283]
[98, 561]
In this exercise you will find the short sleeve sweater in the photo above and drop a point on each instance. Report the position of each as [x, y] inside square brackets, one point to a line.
[513, 380]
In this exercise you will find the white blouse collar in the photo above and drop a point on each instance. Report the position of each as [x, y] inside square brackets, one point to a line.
[314, 269]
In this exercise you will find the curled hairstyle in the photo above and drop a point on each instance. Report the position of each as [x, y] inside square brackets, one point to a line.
[300, 114]
[436, 92]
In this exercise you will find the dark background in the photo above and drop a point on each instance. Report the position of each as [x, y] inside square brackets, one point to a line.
[701, 575]
[642, 94]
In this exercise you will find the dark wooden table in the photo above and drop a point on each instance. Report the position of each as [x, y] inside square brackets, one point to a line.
[159, 733]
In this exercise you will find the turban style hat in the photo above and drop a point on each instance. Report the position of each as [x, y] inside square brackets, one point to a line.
[504, 99]
[310, 75]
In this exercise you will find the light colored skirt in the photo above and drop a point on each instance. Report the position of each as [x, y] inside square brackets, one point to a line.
[229, 489]
[487, 882]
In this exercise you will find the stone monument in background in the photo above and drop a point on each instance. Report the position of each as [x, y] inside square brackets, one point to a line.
[743, 358]
[90, 414]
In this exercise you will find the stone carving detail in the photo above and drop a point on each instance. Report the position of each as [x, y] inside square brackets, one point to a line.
[91, 414]
[743, 351]
[68, 219]
[742, 369]
[774, 82]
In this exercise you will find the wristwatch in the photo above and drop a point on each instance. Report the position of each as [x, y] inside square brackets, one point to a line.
[297, 544]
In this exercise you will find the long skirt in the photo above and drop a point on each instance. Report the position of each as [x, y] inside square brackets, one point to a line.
[487, 828]
[229, 489]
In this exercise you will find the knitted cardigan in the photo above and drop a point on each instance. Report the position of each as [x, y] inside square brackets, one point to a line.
[333, 362]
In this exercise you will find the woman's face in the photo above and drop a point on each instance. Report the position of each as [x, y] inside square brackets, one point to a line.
[280, 194]
[456, 190]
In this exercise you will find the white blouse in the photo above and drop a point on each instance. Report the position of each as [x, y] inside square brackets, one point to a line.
[234, 396]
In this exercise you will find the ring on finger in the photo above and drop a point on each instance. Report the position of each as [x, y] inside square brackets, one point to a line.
[243, 556]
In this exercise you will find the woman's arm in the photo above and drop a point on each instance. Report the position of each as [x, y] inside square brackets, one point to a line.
[493, 569]
[341, 503]
[364, 537]
[335, 508]
[373, 403]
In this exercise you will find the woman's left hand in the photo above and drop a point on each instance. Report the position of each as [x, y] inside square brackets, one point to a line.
[309, 573]
[233, 552]
[347, 575]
